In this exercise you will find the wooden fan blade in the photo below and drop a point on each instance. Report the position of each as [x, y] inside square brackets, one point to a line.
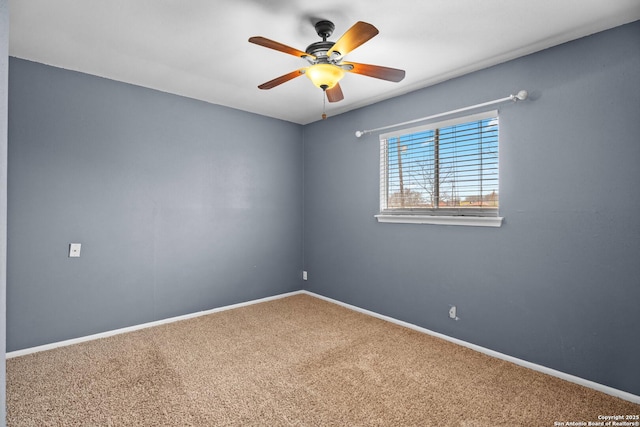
[282, 79]
[384, 73]
[335, 93]
[359, 33]
[262, 41]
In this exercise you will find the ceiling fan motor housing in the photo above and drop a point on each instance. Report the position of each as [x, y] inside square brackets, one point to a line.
[319, 50]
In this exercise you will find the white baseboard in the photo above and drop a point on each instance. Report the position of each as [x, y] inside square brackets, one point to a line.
[51, 346]
[543, 369]
[568, 377]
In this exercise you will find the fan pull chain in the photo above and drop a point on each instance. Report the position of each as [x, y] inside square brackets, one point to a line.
[324, 105]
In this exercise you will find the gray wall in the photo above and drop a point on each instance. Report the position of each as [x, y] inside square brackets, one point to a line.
[559, 283]
[180, 205]
[4, 72]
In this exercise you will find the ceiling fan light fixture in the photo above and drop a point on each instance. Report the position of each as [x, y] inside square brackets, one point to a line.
[325, 67]
[324, 76]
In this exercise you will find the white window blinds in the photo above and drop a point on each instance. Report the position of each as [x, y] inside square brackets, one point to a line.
[446, 168]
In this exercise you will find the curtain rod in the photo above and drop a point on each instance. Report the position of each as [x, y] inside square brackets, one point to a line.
[521, 96]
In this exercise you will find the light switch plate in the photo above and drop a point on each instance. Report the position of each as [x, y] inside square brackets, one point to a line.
[74, 250]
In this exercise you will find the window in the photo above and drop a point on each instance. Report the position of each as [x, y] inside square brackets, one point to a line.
[445, 172]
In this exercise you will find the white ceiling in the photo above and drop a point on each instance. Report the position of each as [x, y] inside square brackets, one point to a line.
[199, 48]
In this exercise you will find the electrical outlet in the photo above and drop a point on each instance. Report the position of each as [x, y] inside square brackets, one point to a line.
[453, 312]
[304, 275]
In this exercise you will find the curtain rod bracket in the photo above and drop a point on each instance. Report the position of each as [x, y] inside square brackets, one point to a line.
[521, 96]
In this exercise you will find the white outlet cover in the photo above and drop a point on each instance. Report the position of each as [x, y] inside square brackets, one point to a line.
[74, 250]
[452, 312]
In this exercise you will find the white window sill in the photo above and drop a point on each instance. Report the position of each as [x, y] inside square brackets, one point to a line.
[474, 221]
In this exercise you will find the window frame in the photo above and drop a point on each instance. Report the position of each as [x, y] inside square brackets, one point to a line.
[440, 216]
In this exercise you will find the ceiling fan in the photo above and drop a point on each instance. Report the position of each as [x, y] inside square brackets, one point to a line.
[325, 58]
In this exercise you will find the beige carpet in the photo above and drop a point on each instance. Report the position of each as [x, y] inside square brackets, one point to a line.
[297, 361]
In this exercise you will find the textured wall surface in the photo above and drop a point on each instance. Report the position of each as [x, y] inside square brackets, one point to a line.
[180, 205]
[559, 283]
